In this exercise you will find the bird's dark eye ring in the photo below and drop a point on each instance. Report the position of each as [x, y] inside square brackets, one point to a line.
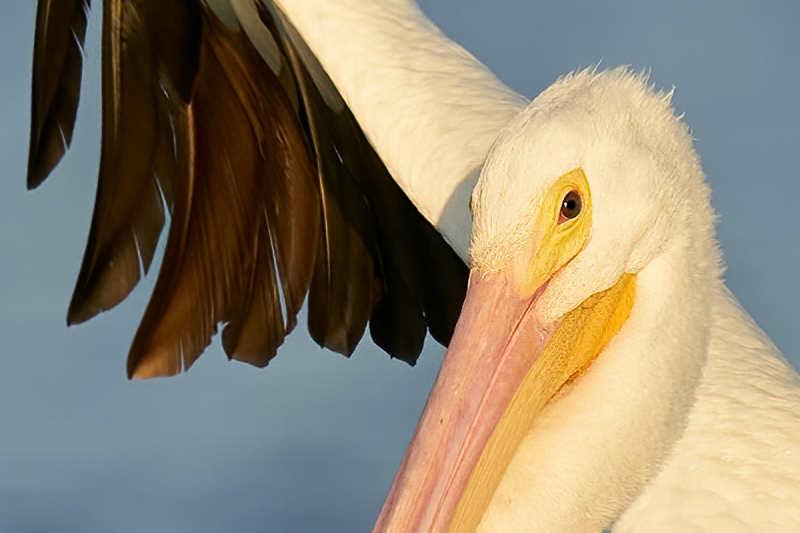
[571, 206]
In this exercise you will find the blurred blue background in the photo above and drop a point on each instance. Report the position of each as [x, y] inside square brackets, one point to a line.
[312, 443]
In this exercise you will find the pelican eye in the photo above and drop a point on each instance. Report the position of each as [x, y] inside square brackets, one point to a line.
[571, 206]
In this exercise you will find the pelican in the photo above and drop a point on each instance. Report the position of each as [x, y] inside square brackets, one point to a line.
[600, 373]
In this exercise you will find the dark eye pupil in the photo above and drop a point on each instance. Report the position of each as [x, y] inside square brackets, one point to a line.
[571, 206]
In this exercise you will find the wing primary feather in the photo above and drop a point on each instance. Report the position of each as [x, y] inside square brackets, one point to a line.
[274, 191]
[345, 286]
[420, 280]
[246, 217]
[56, 85]
[150, 57]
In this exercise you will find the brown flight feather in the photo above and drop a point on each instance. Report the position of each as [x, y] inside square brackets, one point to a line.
[273, 194]
[150, 54]
[421, 282]
[246, 218]
[346, 285]
[56, 90]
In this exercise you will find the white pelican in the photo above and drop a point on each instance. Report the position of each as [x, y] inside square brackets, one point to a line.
[591, 218]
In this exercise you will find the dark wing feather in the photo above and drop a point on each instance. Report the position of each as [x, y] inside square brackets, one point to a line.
[422, 280]
[347, 283]
[150, 55]
[245, 221]
[274, 195]
[57, 63]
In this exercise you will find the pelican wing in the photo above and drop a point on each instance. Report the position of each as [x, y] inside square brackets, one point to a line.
[274, 191]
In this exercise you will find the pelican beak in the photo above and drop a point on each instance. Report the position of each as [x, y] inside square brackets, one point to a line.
[502, 367]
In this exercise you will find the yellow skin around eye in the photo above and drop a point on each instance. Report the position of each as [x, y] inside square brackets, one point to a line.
[555, 244]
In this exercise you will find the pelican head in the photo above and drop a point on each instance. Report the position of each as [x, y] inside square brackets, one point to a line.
[573, 367]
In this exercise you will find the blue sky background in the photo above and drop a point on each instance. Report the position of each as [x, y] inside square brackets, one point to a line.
[311, 444]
